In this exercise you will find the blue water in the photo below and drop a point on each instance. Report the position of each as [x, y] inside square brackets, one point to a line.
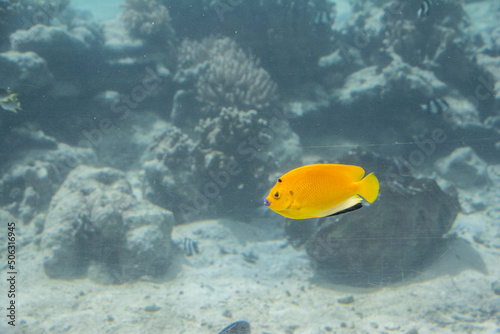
[101, 10]
[139, 146]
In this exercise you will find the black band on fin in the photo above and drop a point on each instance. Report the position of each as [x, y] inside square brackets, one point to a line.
[352, 208]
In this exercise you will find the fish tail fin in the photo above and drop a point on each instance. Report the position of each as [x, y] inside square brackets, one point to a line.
[368, 187]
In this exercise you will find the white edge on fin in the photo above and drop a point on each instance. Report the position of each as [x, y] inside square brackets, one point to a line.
[350, 202]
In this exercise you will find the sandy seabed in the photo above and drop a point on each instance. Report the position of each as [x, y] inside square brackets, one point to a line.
[276, 293]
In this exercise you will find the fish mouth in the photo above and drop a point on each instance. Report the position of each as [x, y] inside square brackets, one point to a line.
[266, 202]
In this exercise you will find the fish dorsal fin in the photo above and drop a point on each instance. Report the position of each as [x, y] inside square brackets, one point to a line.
[352, 208]
[355, 173]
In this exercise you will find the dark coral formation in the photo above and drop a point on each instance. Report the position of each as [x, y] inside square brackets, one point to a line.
[391, 239]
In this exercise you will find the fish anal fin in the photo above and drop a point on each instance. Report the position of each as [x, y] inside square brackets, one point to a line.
[341, 207]
[352, 208]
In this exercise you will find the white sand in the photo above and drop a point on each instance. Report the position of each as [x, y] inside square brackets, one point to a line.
[277, 294]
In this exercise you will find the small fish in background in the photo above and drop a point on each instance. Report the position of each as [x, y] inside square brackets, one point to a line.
[436, 106]
[425, 9]
[9, 101]
[250, 257]
[190, 247]
[238, 327]
[321, 190]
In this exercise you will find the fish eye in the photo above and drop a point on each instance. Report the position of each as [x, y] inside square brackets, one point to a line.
[276, 195]
[291, 192]
[279, 180]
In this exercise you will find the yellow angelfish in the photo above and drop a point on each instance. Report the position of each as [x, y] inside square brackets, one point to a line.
[321, 190]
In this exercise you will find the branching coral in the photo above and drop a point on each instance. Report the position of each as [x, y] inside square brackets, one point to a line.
[226, 131]
[147, 19]
[231, 78]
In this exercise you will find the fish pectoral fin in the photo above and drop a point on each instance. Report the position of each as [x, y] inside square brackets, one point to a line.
[352, 208]
[293, 206]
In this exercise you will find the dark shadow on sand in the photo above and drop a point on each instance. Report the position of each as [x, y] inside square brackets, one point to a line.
[455, 257]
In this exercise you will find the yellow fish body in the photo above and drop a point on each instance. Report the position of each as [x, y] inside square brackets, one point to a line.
[321, 190]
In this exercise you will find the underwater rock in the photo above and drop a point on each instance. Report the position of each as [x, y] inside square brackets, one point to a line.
[5, 216]
[439, 42]
[65, 51]
[494, 123]
[23, 71]
[95, 220]
[391, 96]
[28, 137]
[226, 76]
[118, 43]
[226, 162]
[463, 168]
[138, 55]
[397, 78]
[15, 15]
[36, 168]
[391, 239]
[28, 204]
[495, 286]
[357, 40]
[492, 65]
[406, 33]
[138, 68]
[406, 61]
[475, 180]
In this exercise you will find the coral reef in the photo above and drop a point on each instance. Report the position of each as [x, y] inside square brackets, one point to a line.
[34, 173]
[225, 75]
[24, 71]
[395, 80]
[23, 14]
[387, 241]
[289, 36]
[437, 43]
[386, 58]
[221, 172]
[95, 222]
[135, 126]
[147, 19]
[65, 51]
